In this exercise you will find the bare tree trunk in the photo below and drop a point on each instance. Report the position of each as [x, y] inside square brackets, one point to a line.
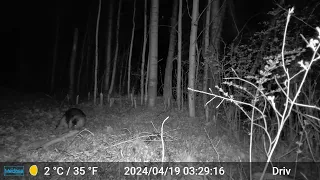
[143, 51]
[108, 55]
[153, 49]
[121, 76]
[167, 91]
[85, 40]
[124, 69]
[192, 57]
[217, 14]
[116, 50]
[206, 39]
[84, 84]
[96, 58]
[198, 51]
[72, 65]
[147, 80]
[182, 87]
[80, 66]
[55, 54]
[125, 62]
[130, 52]
[179, 56]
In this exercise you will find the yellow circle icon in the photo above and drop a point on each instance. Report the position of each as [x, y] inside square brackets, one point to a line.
[33, 170]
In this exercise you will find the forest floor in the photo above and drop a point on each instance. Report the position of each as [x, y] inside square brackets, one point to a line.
[120, 133]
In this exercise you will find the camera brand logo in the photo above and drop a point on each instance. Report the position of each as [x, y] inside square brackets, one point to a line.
[13, 171]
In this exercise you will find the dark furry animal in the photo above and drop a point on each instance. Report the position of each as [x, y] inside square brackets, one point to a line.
[73, 118]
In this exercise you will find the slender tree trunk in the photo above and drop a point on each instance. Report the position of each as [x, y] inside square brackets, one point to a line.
[80, 66]
[85, 41]
[116, 50]
[167, 91]
[108, 55]
[182, 87]
[55, 54]
[87, 74]
[143, 51]
[131, 45]
[198, 51]
[206, 59]
[85, 83]
[121, 76]
[153, 49]
[147, 80]
[192, 57]
[179, 56]
[72, 65]
[96, 58]
[126, 69]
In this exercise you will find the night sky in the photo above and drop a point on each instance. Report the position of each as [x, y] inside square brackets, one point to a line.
[28, 34]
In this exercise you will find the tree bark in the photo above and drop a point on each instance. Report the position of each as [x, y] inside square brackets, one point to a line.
[206, 39]
[116, 50]
[167, 91]
[130, 52]
[72, 65]
[192, 57]
[96, 58]
[85, 41]
[153, 49]
[179, 56]
[143, 52]
[108, 55]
